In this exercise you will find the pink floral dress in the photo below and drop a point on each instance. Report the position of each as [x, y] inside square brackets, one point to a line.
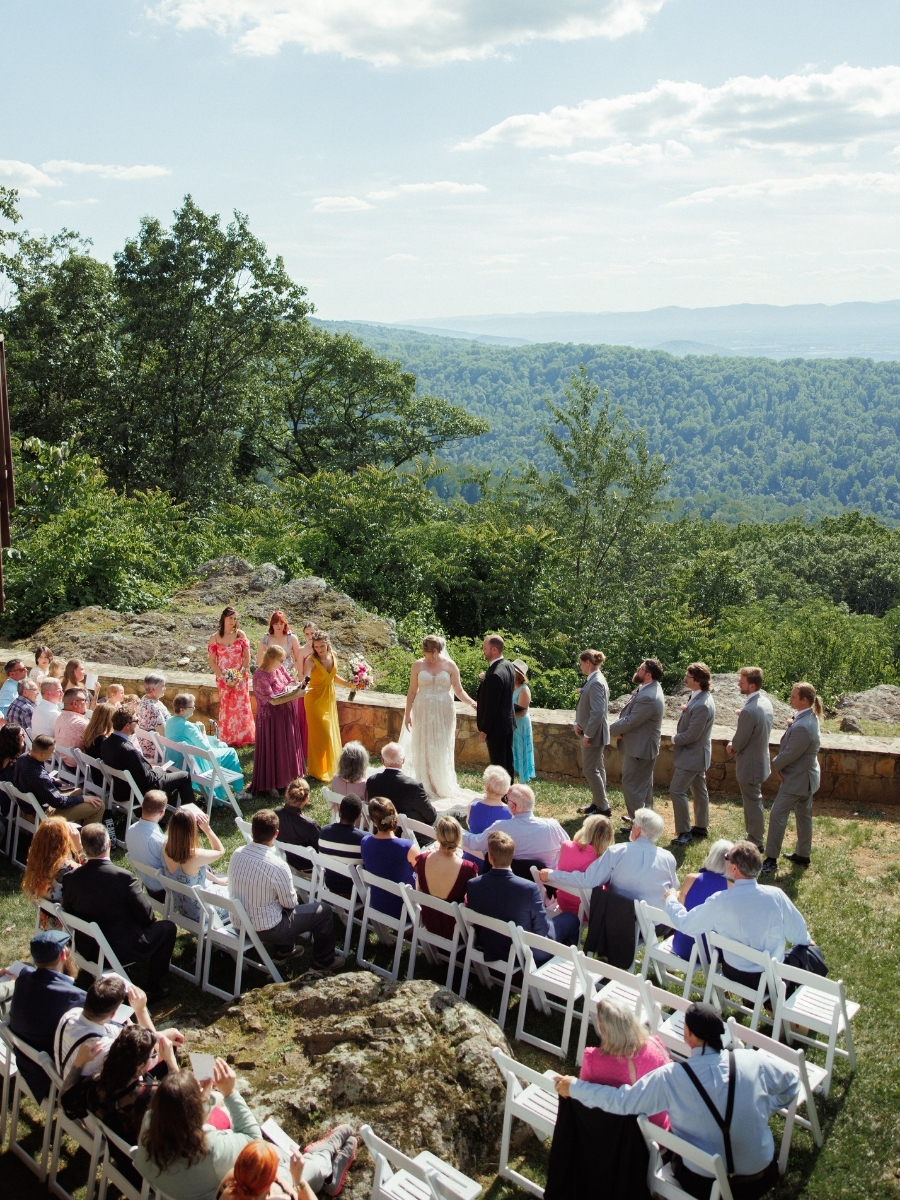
[236, 725]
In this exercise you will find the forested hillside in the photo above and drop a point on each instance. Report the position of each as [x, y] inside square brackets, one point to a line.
[747, 438]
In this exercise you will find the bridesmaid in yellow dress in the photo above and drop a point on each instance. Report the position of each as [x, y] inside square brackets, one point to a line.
[323, 727]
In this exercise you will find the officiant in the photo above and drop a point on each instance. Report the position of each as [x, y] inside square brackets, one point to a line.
[279, 742]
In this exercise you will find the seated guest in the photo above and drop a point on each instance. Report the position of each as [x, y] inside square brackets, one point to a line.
[16, 671]
[343, 840]
[119, 752]
[53, 853]
[112, 897]
[115, 694]
[261, 1173]
[506, 897]
[47, 709]
[187, 862]
[760, 917]
[626, 1051]
[31, 775]
[762, 1085]
[351, 773]
[57, 670]
[385, 854]
[537, 838]
[442, 871]
[21, 711]
[75, 676]
[71, 722]
[12, 746]
[492, 808]
[43, 995]
[636, 869]
[152, 714]
[43, 656]
[699, 886]
[293, 826]
[406, 794]
[261, 880]
[144, 840]
[590, 842]
[131, 701]
[99, 727]
[181, 727]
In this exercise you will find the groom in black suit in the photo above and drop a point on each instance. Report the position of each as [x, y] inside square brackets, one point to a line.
[496, 718]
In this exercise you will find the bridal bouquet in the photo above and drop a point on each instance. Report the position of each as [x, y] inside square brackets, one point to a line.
[233, 676]
[361, 675]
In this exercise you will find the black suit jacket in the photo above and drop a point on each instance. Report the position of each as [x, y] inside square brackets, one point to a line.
[102, 892]
[120, 754]
[406, 794]
[495, 714]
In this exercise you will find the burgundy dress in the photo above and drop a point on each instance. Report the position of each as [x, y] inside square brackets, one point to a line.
[436, 922]
[278, 757]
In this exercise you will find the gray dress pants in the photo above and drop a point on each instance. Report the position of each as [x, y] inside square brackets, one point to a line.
[684, 781]
[637, 782]
[305, 918]
[783, 805]
[594, 768]
[754, 813]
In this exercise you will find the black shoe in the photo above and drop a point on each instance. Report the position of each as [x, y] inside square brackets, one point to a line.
[154, 995]
[592, 808]
[797, 859]
[627, 820]
[769, 867]
[283, 953]
[698, 832]
[683, 839]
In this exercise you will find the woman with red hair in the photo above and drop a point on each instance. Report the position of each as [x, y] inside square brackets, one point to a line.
[259, 1172]
[280, 634]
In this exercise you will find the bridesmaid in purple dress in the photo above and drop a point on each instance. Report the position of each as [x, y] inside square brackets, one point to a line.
[279, 743]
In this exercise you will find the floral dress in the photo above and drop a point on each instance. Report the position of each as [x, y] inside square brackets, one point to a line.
[236, 725]
[150, 715]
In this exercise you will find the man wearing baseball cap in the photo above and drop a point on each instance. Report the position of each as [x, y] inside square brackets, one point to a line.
[42, 996]
[719, 1100]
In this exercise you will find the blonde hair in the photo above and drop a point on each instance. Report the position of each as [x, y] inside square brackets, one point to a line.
[448, 832]
[597, 831]
[808, 692]
[619, 1030]
[272, 656]
[99, 725]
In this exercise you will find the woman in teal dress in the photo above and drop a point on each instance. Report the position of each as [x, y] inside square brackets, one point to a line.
[181, 727]
[523, 745]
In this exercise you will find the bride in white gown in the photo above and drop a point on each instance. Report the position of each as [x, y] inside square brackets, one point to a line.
[429, 725]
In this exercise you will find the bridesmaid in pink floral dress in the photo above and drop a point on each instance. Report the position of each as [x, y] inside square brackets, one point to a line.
[229, 659]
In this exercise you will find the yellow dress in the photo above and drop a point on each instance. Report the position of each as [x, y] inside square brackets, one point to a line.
[323, 727]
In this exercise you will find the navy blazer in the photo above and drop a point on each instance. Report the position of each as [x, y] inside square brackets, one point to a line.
[41, 998]
[506, 897]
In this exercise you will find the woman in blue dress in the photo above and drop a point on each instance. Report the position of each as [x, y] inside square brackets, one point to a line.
[492, 807]
[698, 887]
[185, 861]
[523, 745]
[181, 727]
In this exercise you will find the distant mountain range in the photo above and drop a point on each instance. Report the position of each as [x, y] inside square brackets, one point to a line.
[855, 330]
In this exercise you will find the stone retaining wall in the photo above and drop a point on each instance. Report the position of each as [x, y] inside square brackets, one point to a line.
[855, 769]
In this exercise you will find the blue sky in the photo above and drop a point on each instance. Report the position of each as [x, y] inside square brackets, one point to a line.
[425, 158]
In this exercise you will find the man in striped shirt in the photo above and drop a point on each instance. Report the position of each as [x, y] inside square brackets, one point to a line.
[261, 880]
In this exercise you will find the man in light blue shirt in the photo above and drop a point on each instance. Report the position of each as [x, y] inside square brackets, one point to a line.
[635, 870]
[538, 838]
[763, 1084]
[747, 912]
[15, 672]
[145, 840]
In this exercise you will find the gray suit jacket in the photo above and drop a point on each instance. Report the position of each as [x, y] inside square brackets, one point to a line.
[640, 722]
[592, 713]
[692, 741]
[751, 740]
[796, 758]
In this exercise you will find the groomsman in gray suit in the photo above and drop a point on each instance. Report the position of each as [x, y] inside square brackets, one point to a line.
[798, 764]
[750, 746]
[592, 726]
[638, 731]
[691, 754]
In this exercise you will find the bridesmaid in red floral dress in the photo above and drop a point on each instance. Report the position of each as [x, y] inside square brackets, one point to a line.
[229, 659]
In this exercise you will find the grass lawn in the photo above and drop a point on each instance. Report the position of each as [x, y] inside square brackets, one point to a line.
[851, 900]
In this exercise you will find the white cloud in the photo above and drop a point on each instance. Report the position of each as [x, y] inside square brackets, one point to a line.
[402, 258]
[869, 181]
[339, 204]
[442, 185]
[25, 177]
[625, 154]
[422, 32]
[59, 166]
[798, 113]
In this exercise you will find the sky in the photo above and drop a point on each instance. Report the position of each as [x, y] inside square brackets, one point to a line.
[424, 158]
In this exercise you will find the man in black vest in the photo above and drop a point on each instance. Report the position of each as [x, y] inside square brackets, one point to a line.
[496, 717]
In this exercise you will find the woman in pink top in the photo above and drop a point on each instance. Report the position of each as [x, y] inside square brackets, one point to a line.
[626, 1051]
[590, 842]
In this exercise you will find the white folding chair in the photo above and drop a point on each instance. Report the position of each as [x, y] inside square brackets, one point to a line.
[305, 884]
[618, 983]
[718, 986]
[176, 890]
[25, 815]
[149, 742]
[47, 1106]
[661, 956]
[63, 772]
[145, 871]
[84, 1133]
[556, 977]
[487, 969]
[89, 785]
[244, 829]
[397, 925]
[109, 1169]
[233, 940]
[425, 1177]
[8, 1076]
[669, 1026]
[348, 905]
[583, 894]
[411, 828]
[106, 957]
[811, 1079]
[208, 774]
[437, 947]
[134, 798]
[819, 1005]
[333, 800]
[660, 1177]
[532, 1098]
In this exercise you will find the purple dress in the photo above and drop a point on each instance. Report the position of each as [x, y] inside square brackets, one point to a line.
[279, 739]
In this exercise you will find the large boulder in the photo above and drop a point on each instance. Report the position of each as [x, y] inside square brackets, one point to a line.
[728, 698]
[881, 703]
[411, 1059]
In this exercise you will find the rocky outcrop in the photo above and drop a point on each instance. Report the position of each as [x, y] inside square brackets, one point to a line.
[881, 703]
[727, 696]
[176, 637]
[411, 1059]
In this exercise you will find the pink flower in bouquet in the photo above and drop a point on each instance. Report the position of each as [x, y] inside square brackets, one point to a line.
[361, 674]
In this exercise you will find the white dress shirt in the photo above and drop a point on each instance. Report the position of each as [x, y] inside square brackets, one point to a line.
[637, 870]
[43, 719]
[145, 840]
[261, 880]
[540, 838]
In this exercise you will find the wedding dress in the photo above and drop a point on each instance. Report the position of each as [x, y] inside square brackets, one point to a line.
[431, 744]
